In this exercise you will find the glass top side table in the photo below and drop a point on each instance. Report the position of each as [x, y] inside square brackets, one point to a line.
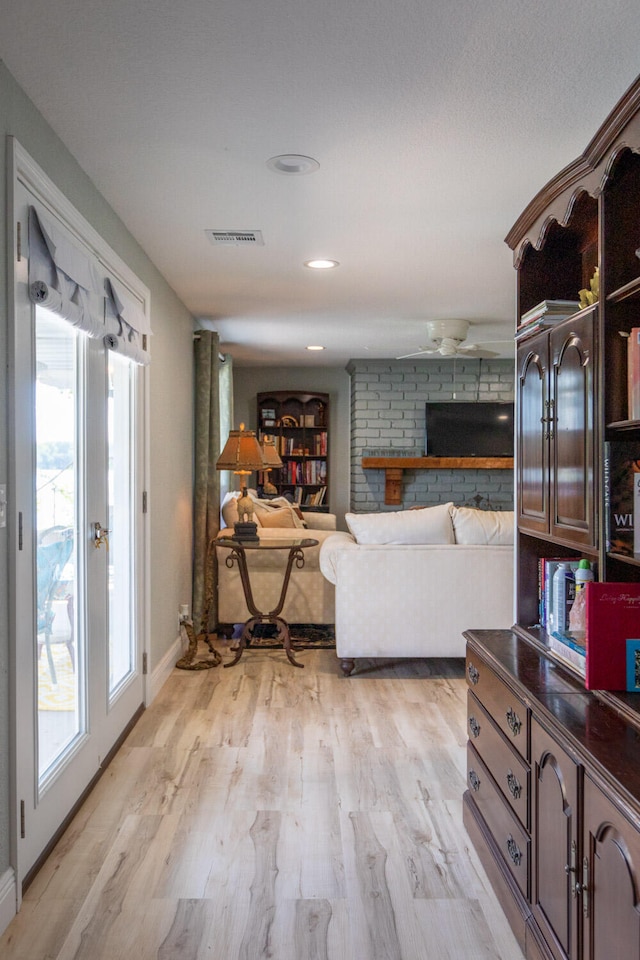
[237, 554]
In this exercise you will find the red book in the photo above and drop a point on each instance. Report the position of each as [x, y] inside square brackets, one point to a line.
[613, 625]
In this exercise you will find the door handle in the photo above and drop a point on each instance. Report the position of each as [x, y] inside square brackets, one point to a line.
[100, 535]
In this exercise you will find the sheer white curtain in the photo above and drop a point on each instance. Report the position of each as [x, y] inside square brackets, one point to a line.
[226, 415]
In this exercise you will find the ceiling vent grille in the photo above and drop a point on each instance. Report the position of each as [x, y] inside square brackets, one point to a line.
[235, 238]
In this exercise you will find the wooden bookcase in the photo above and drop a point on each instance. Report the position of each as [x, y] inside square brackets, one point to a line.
[571, 379]
[299, 424]
[553, 799]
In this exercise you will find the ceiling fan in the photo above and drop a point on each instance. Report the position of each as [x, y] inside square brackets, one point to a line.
[448, 338]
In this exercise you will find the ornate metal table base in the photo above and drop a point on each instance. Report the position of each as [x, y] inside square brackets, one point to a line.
[238, 554]
[189, 662]
[283, 635]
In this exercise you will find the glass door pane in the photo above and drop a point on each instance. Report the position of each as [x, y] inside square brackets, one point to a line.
[59, 655]
[121, 521]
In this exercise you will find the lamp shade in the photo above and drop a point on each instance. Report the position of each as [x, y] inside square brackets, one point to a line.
[242, 453]
[270, 454]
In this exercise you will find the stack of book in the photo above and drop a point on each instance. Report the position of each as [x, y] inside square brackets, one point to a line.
[545, 314]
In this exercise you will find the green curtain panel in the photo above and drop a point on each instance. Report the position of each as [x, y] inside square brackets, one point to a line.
[210, 372]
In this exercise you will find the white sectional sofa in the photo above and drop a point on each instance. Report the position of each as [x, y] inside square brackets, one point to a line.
[310, 597]
[408, 583]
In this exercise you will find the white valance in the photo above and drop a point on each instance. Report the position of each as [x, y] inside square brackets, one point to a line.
[69, 282]
[127, 325]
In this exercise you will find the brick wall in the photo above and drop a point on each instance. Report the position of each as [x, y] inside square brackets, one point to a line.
[387, 413]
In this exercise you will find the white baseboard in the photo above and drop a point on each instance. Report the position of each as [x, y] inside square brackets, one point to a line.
[8, 898]
[163, 671]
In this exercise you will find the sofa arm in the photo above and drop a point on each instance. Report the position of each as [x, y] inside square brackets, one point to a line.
[319, 521]
[329, 553]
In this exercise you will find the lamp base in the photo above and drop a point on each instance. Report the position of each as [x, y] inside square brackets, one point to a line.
[246, 531]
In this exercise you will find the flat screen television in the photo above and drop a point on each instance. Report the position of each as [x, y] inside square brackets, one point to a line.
[483, 429]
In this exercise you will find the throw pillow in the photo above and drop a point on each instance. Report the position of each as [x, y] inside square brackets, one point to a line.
[473, 526]
[281, 517]
[263, 508]
[429, 525]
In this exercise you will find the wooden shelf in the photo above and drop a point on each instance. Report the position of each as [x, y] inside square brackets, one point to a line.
[394, 467]
[631, 289]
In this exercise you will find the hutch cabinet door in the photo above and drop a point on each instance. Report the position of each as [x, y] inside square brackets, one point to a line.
[572, 464]
[611, 880]
[556, 856]
[533, 435]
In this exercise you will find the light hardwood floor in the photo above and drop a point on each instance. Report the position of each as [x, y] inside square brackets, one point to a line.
[268, 812]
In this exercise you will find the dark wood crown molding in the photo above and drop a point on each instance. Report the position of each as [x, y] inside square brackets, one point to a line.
[587, 173]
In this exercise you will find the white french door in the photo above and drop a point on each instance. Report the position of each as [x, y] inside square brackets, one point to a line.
[79, 620]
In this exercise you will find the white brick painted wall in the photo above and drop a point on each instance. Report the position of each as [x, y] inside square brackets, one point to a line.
[387, 411]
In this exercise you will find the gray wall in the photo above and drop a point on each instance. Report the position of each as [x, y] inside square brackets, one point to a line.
[387, 412]
[171, 387]
[248, 382]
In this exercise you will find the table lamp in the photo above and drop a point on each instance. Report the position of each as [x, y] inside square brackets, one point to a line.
[243, 454]
[271, 457]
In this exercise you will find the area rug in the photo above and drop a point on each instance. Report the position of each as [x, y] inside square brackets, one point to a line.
[304, 636]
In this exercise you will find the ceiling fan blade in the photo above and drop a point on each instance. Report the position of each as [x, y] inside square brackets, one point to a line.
[477, 352]
[419, 353]
[477, 344]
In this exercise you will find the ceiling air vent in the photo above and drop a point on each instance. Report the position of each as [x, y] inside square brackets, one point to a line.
[235, 238]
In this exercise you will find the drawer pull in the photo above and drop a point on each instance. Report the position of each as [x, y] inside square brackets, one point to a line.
[474, 726]
[514, 851]
[515, 788]
[474, 674]
[474, 780]
[514, 722]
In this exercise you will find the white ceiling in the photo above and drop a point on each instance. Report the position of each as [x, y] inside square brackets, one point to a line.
[434, 124]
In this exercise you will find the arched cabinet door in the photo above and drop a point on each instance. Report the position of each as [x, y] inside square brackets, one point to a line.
[610, 881]
[556, 854]
[572, 472]
[555, 429]
[533, 434]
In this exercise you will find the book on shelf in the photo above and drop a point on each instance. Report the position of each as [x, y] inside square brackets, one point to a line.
[622, 496]
[633, 374]
[613, 636]
[548, 312]
[571, 652]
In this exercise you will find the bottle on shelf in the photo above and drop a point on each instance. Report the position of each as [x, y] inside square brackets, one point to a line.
[564, 591]
[578, 612]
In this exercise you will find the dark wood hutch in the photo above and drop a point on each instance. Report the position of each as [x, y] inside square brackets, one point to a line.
[553, 798]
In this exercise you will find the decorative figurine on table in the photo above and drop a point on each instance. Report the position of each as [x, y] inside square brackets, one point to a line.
[245, 528]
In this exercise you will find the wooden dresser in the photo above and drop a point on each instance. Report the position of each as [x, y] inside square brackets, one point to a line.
[553, 801]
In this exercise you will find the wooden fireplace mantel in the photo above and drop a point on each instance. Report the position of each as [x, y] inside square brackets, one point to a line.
[395, 466]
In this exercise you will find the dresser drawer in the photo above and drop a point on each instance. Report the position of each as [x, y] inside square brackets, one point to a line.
[505, 764]
[508, 711]
[510, 838]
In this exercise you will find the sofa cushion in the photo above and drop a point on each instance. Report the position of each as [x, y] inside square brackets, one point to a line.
[429, 525]
[473, 526]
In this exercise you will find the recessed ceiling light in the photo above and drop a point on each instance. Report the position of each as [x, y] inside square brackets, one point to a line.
[313, 347]
[293, 163]
[321, 264]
